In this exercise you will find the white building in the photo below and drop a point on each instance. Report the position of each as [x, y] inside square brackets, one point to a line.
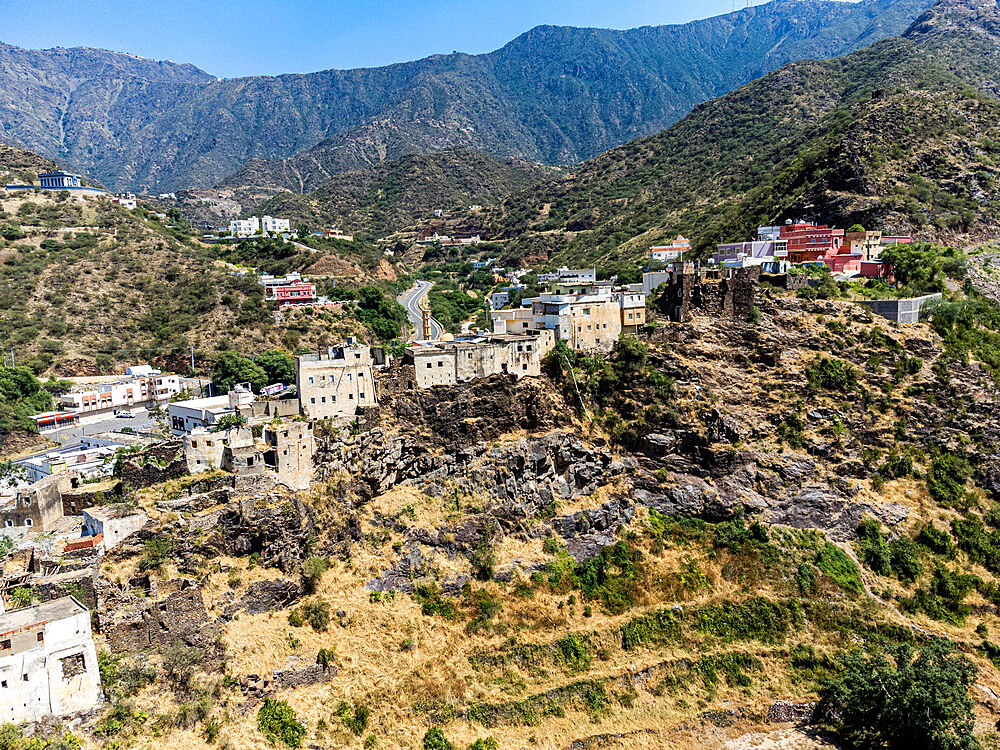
[91, 457]
[270, 225]
[244, 227]
[111, 524]
[145, 389]
[203, 413]
[48, 663]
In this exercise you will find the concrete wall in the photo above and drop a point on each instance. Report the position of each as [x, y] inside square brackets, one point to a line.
[900, 310]
[114, 527]
[595, 325]
[54, 676]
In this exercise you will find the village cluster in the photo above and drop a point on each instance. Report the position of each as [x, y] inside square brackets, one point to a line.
[59, 533]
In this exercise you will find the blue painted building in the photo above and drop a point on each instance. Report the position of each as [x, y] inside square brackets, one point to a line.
[59, 180]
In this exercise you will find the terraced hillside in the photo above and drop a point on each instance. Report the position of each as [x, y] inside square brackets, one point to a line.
[721, 522]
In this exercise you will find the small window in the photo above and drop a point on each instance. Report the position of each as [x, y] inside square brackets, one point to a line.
[323, 400]
[430, 365]
[441, 363]
[312, 400]
[5, 645]
[350, 396]
[9, 523]
[3, 684]
[28, 522]
[194, 443]
[362, 395]
[25, 677]
[40, 637]
[312, 381]
[249, 462]
[350, 377]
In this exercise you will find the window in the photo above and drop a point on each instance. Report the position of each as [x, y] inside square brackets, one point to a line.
[9, 523]
[249, 461]
[350, 396]
[430, 365]
[311, 381]
[5, 645]
[440, 363]
[25, 677]
[40, 637]
[3, 683]
[28, 522]
[362, 395]
[194, 443]
[312, 400]
[323, 399]
[350, 377]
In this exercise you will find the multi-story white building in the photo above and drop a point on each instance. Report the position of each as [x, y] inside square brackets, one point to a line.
[473, 357]
[244, 227]
[48, 663]
[203, 413]
[271, 225]
[591, 321]
[124, 393]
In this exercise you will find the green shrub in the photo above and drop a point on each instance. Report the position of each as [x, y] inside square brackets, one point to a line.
[485, 743]
[833, 375]
[944, 596]
[355, 719]
[904, 558]
[839, 568]
[659, 626]
[155, 552]
[936, 541]
[313, 570]
[435, 740]
[805, 579]
[483, 558]
[946, 480]
[873, 549]
[433, 602]
[317, 614]
[574, 652]
[903, 699]
[276, 720]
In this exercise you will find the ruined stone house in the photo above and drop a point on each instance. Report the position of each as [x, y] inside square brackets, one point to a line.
[39, 506]
[335, 382]
[474, 357]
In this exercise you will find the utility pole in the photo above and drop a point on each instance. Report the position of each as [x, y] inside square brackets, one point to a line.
[192, 361]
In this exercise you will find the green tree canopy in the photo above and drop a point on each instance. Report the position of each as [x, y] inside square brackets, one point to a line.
[382, 315]
[920, 268]
[901, 699]
[231, 368]
[278, 367]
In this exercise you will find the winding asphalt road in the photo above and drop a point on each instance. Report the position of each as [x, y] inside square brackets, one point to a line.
[410, 300]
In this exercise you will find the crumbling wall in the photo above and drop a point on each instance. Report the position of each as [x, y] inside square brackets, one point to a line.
[155, 464]
[134, 624]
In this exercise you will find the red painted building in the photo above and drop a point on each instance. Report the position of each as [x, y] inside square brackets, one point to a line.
[809, 242]
[295, 293]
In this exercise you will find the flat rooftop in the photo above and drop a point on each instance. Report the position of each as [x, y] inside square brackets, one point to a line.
[57, 609]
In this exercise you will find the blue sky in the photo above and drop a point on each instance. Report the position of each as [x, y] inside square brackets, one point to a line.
[255, 37]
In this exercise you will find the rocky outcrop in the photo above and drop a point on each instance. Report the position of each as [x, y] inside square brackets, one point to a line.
[264, 596]
[154, 464]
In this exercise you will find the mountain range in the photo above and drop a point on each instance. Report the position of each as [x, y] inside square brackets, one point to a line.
[555, 94]
[900, 136]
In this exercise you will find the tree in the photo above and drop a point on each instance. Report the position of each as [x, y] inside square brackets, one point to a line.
[920, 268]
[902, 699]
[278, 367]
[856, 228]
[232, 368]
[229, 422]
[383, 316]
[302, 230]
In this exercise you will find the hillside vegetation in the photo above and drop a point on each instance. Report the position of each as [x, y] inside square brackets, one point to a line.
[554, 94]
[396, 194]
[88, 287]
[900, 136]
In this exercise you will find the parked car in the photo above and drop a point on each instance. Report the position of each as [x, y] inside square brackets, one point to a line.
[124, 415]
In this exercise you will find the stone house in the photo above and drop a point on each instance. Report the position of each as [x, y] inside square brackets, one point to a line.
[465, 359]
[38, 506]
[111, 524]
[48, 662]
[335, 383]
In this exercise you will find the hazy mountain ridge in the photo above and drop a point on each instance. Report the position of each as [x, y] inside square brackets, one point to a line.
[554, 94]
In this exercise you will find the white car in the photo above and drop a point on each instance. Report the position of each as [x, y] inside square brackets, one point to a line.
[125, 415]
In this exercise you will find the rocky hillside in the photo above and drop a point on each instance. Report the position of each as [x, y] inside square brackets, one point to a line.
[396, 194]
[900, 136]
[728, 519]
[554, 94]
